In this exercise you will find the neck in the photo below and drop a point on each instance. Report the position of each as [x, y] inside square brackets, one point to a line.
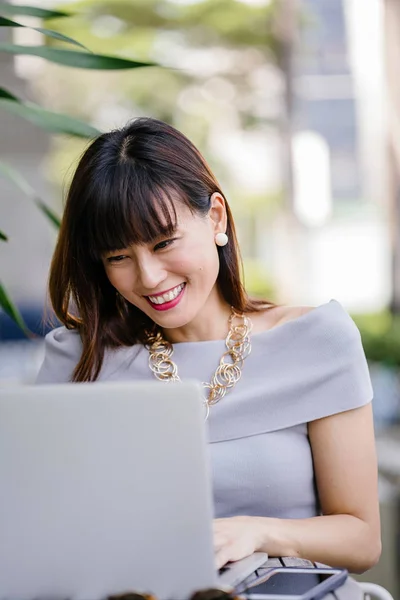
[210, 324]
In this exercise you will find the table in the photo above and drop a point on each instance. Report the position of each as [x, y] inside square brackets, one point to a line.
[349, 591]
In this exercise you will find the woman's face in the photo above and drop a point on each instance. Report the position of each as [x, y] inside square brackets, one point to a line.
[172, 279]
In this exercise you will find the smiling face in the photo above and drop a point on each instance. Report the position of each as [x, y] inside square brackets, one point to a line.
[173, 279]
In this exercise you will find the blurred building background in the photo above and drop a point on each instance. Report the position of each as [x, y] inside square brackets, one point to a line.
[296, 106]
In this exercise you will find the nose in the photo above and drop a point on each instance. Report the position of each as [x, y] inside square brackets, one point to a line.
[150, 272]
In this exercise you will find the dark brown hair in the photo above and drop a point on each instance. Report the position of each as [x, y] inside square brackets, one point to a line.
[124, 181]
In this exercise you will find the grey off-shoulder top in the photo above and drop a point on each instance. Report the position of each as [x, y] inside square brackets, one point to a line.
[302, 370]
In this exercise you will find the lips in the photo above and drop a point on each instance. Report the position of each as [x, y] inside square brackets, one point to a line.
[167, 299]
[167, 296]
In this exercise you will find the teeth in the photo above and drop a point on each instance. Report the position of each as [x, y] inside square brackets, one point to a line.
[168, 296]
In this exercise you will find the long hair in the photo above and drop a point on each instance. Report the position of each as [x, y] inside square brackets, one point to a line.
[122, 182]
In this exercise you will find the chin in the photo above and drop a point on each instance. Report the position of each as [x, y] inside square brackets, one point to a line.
[174, 318]
[171, 321]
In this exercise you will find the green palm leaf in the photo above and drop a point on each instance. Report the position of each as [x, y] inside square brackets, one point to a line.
[31, 11]
[50, 214]
[16, 178]
[6, 94]
[73, 58]
[12, 311]
[47, 119]
[3, 236]
[48, 32]
[25, 187]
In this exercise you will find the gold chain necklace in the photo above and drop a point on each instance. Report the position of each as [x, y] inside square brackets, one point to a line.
[230, 365]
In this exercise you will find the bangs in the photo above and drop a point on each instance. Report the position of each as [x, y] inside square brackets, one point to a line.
[133, 208]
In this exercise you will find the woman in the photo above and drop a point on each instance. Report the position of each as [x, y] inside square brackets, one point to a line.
[145, 278]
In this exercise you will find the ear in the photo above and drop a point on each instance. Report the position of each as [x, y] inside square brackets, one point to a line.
[217, 213]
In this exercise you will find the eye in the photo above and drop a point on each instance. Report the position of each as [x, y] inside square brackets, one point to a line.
[115, 259]
[164, 244]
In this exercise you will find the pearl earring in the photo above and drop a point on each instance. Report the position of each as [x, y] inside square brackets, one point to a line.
[221, 239]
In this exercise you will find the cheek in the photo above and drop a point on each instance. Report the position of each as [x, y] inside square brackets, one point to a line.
[202, 249]
[120, 278]
[196, 261]
[200, 262]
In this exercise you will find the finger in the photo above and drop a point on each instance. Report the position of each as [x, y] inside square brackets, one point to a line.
[231, 553]
[226, 554]
[221, 557]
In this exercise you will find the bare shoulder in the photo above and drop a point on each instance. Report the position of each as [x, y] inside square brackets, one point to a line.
[298, 311]
[277, 315]
[289, 313]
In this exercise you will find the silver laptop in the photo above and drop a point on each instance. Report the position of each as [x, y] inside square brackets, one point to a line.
[105, 488]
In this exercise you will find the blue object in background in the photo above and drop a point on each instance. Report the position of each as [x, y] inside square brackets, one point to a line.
[34, 319]
[20, 356]
[386, 403]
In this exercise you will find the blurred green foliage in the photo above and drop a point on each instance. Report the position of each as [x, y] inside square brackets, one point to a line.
[218, 57]
[380, 333]
[257, 282]
[243, 37]
[218, 22]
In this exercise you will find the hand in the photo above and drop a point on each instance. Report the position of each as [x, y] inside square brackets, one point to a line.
[236, 538]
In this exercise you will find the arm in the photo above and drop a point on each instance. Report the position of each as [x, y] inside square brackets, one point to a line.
[348, 533]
